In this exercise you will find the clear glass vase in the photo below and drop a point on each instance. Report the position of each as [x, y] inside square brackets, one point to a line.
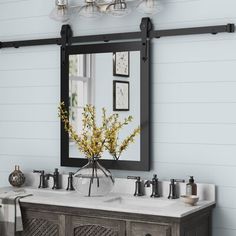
[93, 179]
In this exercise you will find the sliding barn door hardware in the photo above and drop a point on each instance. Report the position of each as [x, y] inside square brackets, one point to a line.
[145, 27]
[229, 28]
[66, 35]
[145, 34]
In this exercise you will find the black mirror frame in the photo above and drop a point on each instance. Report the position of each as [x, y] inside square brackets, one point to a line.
[144, 163]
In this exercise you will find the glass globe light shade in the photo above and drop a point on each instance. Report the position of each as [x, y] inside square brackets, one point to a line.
[149, 7]
[61, 12]
[118, 8]
[103, 2]
[90, 10]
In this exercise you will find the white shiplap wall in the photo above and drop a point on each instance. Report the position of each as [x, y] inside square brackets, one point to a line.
[193, 103]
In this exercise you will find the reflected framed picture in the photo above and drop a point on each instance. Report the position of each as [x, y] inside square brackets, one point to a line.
[120, 95]
[121, 64]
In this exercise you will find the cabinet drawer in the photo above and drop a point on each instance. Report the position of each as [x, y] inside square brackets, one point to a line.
[149, 229]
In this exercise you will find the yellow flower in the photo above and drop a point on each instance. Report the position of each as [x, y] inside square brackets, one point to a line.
[94, 139]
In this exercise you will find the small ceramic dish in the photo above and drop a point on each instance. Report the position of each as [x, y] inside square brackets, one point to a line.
[191, 199]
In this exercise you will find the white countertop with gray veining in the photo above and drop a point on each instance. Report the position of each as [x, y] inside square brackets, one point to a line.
[121, 201]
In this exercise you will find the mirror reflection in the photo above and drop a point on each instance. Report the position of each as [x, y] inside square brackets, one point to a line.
[110, 81]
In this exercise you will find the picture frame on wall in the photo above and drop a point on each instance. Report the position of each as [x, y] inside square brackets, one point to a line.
[121, 64]
[121, 96]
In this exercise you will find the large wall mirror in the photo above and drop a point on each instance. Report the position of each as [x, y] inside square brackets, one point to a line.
[115, 77]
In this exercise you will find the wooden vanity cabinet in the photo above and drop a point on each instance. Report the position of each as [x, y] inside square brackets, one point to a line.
[45, 220]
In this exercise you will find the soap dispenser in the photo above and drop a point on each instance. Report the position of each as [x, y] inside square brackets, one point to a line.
[191, 187]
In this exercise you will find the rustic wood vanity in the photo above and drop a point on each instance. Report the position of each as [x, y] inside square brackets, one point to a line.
[48, 220]
[117, 214]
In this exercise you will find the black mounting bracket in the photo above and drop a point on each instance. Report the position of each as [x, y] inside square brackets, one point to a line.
[66, 35]
[145, 27]
[145, 34]
[231, 28]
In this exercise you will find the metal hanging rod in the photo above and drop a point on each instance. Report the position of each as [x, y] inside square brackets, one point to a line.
[228, 28]
[26, 43]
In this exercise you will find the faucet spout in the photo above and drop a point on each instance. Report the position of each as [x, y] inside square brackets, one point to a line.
[43, 179]
[55, 177]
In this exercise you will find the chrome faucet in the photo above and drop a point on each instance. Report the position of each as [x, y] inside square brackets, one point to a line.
[173, 189]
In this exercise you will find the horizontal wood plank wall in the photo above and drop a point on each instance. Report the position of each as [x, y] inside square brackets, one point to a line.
[193, 95]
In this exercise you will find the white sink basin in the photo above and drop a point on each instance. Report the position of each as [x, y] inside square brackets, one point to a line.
[139, 201]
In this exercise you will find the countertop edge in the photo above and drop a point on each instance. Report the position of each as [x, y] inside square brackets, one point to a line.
[72, 209]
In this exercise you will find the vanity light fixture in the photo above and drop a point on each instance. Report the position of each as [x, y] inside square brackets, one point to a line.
[149, 7]
[61, 12]
[90, 10]
[96, 8]
[118, 8]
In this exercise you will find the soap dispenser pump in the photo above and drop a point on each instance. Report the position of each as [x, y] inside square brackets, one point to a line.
[191, 187]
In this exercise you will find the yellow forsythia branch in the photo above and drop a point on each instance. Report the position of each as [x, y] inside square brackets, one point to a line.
[94, 139]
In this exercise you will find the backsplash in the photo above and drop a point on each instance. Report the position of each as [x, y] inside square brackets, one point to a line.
[193, 96]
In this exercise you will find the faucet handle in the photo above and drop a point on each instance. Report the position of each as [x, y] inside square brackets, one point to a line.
[70, 186]
[134, 177]
[172, 181]
[138, 185]
[179, 180]
[173, 190]
[38, 171]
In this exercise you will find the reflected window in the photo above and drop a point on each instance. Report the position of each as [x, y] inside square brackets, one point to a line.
[80, 87]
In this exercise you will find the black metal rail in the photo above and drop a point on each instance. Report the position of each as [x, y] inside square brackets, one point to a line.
[26, 43]
[228, 28]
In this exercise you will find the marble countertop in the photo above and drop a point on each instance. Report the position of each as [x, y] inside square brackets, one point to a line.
[114, 202]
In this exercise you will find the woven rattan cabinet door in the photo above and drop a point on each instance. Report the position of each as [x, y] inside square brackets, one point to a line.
[89, 226]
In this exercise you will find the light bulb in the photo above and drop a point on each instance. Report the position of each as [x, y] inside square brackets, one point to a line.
[61, 12]
[118, 8]
[149, 7]
[90, 10]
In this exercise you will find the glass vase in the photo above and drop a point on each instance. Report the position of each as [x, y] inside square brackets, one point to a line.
[93, 179]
